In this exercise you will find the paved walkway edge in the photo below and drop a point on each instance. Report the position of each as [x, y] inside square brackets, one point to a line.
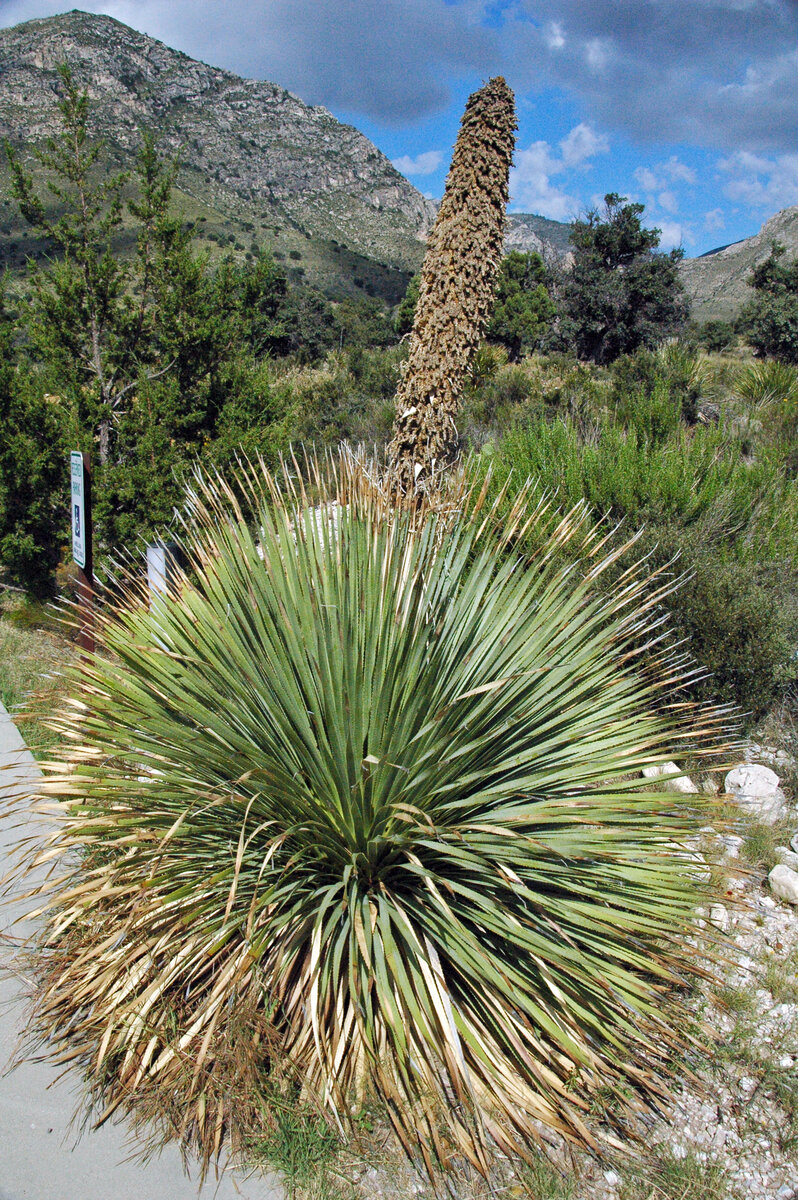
[39, 1158]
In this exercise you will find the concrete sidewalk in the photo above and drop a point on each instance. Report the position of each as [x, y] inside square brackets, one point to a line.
[39, 1159]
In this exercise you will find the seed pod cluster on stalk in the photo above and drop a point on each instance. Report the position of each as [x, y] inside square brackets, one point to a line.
[458, 278]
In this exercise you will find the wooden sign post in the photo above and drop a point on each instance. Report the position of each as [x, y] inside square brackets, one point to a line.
[80, 487]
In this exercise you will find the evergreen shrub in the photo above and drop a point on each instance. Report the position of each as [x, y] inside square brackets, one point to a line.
[729, 522]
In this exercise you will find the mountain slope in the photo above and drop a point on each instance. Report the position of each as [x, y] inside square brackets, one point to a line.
[717, 283]
[527, 232]
[257, 165]
[251, 154]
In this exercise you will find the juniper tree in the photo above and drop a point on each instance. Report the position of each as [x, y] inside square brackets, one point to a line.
[770, 318]
[621, 292]
[75, 307]
[523, 308]
[33, 501]
[143, 352]
[456, 290]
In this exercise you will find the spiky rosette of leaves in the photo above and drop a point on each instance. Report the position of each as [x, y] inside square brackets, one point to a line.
[456, 291]
[357, 803]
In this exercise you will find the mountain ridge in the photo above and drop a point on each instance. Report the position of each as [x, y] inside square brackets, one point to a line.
[259, 167]
[717, 282]
[251, 153]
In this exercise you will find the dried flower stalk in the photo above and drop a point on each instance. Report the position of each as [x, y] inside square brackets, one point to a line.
[458, 278]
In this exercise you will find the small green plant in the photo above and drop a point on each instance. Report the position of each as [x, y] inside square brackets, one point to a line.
[768, 383]
[299, 1142]
[761, 840]
[781, 978]
[33, 662]
[782, 1085]
[687, 376]
[770, 391]
[544, 1182]
[664, 1176]
[736, 1000]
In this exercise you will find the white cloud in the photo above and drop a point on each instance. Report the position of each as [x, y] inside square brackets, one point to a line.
[647, 179]
[531, 186]
[678, 171]
[581, 144]
[597, 54]
[425, 163]
[662, 175]
[720, 73]
[673, 234]
[531, 189]
[714, 219]
[553, 36]
[761, 182]
[668, 202]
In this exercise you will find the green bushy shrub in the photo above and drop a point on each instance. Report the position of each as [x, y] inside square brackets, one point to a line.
[714, 336]
[730, 523]
[493, 402]
[738, 618]
[653, 392]
[685, 477]
[349, 399]
[568, 386]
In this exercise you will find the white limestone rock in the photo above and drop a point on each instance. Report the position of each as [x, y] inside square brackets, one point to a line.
[719, 917]
[756, 789]
[788, 858]
[731, 844]
[784, 884]
[665, 772]
[780, 760]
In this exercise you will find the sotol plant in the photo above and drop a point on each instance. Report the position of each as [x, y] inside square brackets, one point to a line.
[358, 806]
[456, 290]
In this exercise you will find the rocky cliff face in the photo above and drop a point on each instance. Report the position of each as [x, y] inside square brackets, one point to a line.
[253, 156]
[529, 233]
[717, 283]
[245, 146]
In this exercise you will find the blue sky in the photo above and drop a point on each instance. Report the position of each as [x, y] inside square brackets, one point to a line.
[689, 106]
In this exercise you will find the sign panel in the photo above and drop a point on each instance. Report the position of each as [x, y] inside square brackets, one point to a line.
[78, 507]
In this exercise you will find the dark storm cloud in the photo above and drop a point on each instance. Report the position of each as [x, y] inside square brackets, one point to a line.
[713, 72]
[388, 60]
